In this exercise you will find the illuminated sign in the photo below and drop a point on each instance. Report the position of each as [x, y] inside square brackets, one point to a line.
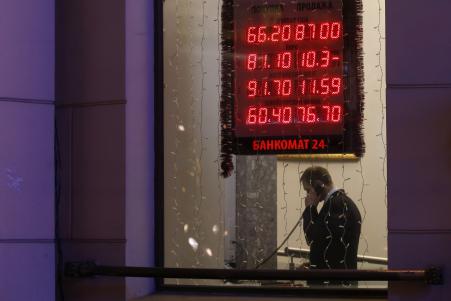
[292, 77]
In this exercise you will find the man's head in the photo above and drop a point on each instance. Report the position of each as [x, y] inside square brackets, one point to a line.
[318, 180]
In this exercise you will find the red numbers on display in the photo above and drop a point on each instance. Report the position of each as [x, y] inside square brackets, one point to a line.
[309, 114]
[274, 87]
[320, 86]
[294, 32]
[307, 59]
[302, 64]
[326, 86]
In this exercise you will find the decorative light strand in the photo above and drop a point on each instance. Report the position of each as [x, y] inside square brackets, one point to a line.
[383, 105]
[220, 179]
[285, 202]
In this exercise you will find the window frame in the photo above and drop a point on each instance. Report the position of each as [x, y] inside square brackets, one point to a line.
[159, 207]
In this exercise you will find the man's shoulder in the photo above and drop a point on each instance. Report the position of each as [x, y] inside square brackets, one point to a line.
[340, 197]
[339, 194]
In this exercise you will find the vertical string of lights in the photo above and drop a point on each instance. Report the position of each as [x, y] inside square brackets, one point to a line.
[299, 173]
[173, 63]
[285, 202]
[196, 140]
[259, 252]
[199, 160]
[192, 241]
[221, 194]
[381, 100]
[360, 200]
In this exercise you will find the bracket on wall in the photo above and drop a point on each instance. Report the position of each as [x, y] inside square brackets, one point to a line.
[434, 276]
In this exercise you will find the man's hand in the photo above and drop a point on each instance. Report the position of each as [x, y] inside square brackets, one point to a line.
[312, 199]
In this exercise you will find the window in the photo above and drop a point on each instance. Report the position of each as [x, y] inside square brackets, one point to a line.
[239, 221]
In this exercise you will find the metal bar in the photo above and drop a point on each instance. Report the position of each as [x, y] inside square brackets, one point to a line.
[87, 269]
[304, 253]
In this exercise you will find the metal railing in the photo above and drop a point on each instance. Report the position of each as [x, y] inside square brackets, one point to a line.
[88, 269]
[304, 253]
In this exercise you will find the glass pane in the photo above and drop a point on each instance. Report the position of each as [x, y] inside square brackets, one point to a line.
[238, 222]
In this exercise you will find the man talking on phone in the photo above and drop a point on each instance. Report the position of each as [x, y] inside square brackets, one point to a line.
[332, 233]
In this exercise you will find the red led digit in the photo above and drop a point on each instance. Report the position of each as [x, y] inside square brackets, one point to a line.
[278, 82]
[265, 62]
[336, 114]
[324, 31]
[261, 34]
[312, 28]
[303, 83]
[325, 86]
[279, 60]
[251, 36]
[251, 115]
[327, 108]
[325, 58]
[252, 61]
[277, 112]
[286, 87]
[311, 115]
[301, 114]
[336, 85]
[286, 33]
[287, 115]
[252, 88]
[266, 88]
[262, 115]
[300, 32]
[275, 36]
[310, 62]
[314, 91]
[335, 30]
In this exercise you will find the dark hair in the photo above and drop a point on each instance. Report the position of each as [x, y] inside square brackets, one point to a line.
[316, 173]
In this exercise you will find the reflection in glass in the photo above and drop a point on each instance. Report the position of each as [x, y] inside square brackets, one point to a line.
[237, 222]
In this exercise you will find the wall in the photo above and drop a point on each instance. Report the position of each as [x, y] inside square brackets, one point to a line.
[104, 89]
[90, 98]
[419, 105]
[364, 180]
[27, 257]
[140, 165]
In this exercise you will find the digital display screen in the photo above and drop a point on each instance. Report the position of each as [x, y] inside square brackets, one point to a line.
[292, 77]
[288, 68]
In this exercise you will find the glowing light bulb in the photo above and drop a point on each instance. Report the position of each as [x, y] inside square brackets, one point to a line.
[193, 243]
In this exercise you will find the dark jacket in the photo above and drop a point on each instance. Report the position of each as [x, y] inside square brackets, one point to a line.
[333, 233]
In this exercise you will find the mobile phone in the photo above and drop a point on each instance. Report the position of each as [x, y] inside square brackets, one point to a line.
[318, 186]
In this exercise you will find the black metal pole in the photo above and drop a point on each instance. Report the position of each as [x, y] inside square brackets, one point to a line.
[86, 269]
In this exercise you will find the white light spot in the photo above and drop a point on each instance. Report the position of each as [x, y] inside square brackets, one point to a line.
[193, 243]
[215, 229]
[186, 228]
[181, 128]
[209, 252]
[226, 233]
